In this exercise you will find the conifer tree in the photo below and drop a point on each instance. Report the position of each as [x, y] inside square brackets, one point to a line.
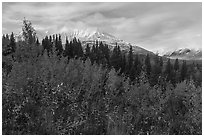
[147, 65]
[161, 63]
[183, 71]
[138, 66]
[114, 58]
[176, 65]
[80, 52]
[12, 44]
[170, 73]
[56, 42]
[130, 60]
[50, 39]
[107, 54]
[123, 66]
[156, 70]
[119, 54]
[5, 44]
[135, 70]
[7, 36]
[70, 51]
[60, 48]
[87, 51]
[92, 56]
[51, 44]
[65, 53]
[37, 42]
[168, 70]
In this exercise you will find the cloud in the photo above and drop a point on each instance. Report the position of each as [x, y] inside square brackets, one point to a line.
[153, 26]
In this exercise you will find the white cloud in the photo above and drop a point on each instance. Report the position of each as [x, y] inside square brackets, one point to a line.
[151, 25]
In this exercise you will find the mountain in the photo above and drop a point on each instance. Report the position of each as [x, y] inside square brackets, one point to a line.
[90, 37]
[185, 54]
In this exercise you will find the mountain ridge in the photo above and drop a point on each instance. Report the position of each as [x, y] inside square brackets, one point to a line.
[97, 35]
[185, 54]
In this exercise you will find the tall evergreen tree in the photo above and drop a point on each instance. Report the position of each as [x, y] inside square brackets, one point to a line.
[176, 65]
[56, 42]
[65, 53]
[156, 70]
[168, 70]
[116, 58]
[70, 51]
[161, 63]
[170, 73]
[130, 60]
[92, 56]
[147, 65]
[80, 52]
[123, 64]
[107, 54]
[60, 48]
[136, 68]
[87, 51]
[183, 71]
[37, 42]
[5, 43]
[50, 39]
[12, 44]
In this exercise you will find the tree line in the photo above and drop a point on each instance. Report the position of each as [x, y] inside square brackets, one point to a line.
[128, 64]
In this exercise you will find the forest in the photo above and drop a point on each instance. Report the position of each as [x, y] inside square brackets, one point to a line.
[53, 89]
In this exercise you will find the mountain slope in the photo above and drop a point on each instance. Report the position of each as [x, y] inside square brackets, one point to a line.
[185, 54]
[90, 37]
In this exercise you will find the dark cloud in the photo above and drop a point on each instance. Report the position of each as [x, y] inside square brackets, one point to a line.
[154, 26]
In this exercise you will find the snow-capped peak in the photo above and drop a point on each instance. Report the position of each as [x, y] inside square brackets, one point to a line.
[89, 34]
[185, 53]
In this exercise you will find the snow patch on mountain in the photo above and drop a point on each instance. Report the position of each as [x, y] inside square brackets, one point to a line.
[91, 36]
[185, 53]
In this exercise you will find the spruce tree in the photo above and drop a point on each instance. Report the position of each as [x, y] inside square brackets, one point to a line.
[156, 70]
[37, 42]
[123, 66]
[12, 44]
[92, 56]
[161, 63]
[135, 70]
[60, 48]
[5, 44]
[183, 71]
[170, 73]
[80, 52]
[107, 54]
[130, 60]
[65, 53]
[70, 50]
[87, 51]
[168, 70]
[176, 65]
[147, 65]
[56, 43]
[114, 58]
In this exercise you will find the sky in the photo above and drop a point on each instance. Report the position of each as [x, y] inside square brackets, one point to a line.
[152, 25]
